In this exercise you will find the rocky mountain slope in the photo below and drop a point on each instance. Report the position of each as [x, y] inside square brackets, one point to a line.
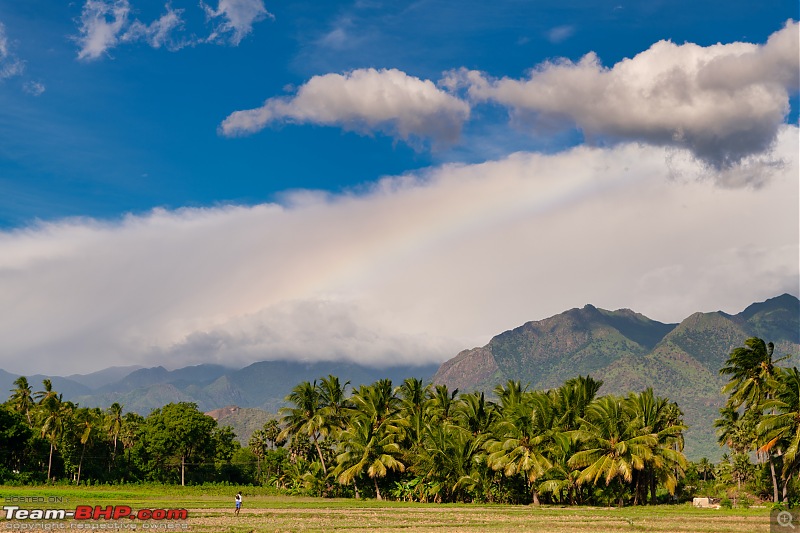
[629, 352]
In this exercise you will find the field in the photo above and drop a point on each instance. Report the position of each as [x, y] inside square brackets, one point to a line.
[210, 509]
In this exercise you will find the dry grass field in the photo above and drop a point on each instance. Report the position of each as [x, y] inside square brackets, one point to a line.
[211, 510]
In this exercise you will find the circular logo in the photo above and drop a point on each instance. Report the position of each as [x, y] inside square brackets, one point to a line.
[785, 519]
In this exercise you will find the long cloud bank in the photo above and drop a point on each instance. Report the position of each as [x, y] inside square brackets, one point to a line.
[414, 270]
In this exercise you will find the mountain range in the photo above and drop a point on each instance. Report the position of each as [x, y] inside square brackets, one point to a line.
[625, 349]
[261, 385]
[630, 352]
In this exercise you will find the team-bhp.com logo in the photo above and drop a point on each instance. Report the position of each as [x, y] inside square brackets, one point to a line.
[88, 512]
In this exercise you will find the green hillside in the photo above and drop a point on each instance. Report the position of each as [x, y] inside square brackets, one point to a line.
[629, 352]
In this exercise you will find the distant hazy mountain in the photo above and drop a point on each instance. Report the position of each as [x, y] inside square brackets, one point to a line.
[630, 352]
[95, 380]
[261, 385]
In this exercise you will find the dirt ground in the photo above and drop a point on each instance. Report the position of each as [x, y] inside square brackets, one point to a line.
[463, 520]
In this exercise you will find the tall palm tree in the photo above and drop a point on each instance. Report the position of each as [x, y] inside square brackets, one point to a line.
[305, 417]
[750, 368]
[572, 398]
[22, 397]
[414, 398]
[55, 414]
[114, 421]
[752, 375]
[781, 428]
[449, 459]
[88, 421]
[614, 446]
[333, 404]
[258, 445]
[129, 434]
[48, 392]
[370, 449]
[378, 403]
[522, 439]
[663, 420]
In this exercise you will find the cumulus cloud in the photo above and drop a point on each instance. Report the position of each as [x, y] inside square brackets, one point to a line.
[723, 102]
[363, 100]
[415, 269]
[101, 24]
[236, 19]
[10, 64]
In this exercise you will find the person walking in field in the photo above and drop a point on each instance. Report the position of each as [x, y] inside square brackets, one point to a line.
[238, 501]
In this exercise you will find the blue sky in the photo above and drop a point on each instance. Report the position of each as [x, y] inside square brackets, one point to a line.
[118, 115]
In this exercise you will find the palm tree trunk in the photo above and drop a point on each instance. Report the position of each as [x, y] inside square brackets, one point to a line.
[653, 487]
[50, 461]
[80, 464]
[377, 490]
[786, 488]
[774, 479]
[319, 452]
[183, 469]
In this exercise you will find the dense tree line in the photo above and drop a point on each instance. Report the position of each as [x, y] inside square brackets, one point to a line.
[423, 442]
[46, 438]
[426, 443]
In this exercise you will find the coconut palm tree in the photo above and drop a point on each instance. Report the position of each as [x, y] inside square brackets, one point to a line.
[781, 428]
[449, 460]
[474, 413]
[48, 392]
[333, 404]
[88, 421]
[522, 439]
[55, 414]
[751, 369]
[663, 420]
[305, 417]
[367, 448]
[442, 402]
[114, 421]
[414, 399]
[614, 446]
[752, 376]
[22, 397]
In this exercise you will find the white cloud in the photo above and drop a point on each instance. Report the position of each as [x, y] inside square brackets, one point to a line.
[101, 24]
[363, 100]
[560, 34]
[415, 269]
[237, 19]
[34, 88]
[723, 102]
[10, 64]
[159, 32]
[105, 24]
